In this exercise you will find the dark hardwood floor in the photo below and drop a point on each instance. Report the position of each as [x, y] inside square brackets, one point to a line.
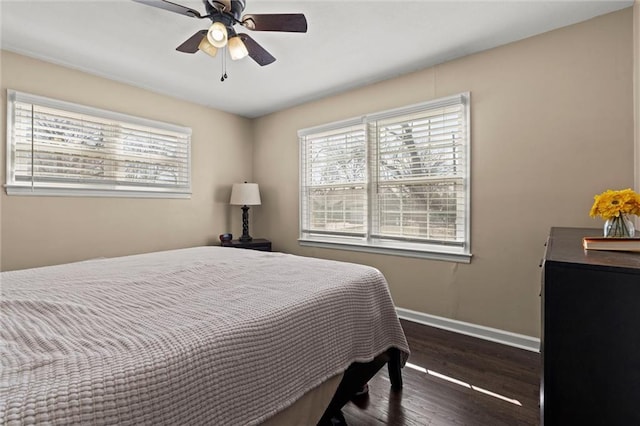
[468, 381]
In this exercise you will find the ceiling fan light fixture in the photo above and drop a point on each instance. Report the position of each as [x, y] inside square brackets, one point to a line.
[207, 47]
[217, 34]
[237, 49]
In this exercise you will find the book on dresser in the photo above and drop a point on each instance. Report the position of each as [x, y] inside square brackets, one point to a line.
[615, 244]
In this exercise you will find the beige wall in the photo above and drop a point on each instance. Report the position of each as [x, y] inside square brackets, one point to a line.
[37, 231]
[552, 125]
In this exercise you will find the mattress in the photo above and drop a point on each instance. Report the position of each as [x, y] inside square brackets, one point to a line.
[205, 335]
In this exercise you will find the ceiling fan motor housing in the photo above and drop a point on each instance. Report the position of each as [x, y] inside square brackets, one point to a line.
[219, 10]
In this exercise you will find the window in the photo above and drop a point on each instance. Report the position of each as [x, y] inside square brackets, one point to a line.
[391, 182]
[60, 148]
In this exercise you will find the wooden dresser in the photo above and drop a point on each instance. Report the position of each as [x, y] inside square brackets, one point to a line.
[590, 341]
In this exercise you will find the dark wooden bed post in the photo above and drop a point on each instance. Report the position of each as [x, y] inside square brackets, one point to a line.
[395, 368]
[356, 376]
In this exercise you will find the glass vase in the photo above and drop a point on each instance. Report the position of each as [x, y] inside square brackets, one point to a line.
[619, 227]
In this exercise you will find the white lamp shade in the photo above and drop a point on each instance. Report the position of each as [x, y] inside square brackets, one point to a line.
[217, 34]
[245, 194]
[237, 49]
[207, 47]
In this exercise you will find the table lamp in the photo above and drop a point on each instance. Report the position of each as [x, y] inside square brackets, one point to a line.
[245, 195]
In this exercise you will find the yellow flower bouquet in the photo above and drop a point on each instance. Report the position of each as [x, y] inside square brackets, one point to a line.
[615, 207]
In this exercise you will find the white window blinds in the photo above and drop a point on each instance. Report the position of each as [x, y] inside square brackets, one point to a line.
[420, 162]
[56, 147]
[397, 180]
[335, 175]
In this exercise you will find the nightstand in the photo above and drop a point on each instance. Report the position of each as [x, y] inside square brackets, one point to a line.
[260, 244]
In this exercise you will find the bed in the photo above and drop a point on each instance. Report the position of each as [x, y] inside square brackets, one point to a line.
[204, 335]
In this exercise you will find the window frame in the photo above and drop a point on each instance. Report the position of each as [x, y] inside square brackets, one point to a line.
[428, 250]
[95, 188]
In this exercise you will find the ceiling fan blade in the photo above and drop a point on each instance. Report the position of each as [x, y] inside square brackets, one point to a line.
[191, 45]
[289, 22]
[257, 52]
[172, 7]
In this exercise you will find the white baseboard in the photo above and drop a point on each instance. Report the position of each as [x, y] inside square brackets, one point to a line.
[493, 334]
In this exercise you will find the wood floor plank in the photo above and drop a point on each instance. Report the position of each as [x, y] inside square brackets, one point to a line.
[469, 381]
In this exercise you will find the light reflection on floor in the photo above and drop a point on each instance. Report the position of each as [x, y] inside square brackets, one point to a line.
[462, 383]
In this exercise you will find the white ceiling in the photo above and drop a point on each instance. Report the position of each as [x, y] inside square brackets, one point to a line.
[349, 43]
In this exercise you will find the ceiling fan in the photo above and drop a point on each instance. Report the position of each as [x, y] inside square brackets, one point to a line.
[224, 14]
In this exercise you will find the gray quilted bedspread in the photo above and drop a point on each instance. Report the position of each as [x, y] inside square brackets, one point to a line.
[206, 335]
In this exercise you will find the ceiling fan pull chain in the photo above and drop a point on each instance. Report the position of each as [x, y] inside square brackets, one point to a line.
[224, 65]
[224, 58]
[222, 69]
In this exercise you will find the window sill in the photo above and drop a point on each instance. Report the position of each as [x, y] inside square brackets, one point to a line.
[87, 192]
[448, 256]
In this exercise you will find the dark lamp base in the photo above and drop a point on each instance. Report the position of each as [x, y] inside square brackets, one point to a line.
[245, 225]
